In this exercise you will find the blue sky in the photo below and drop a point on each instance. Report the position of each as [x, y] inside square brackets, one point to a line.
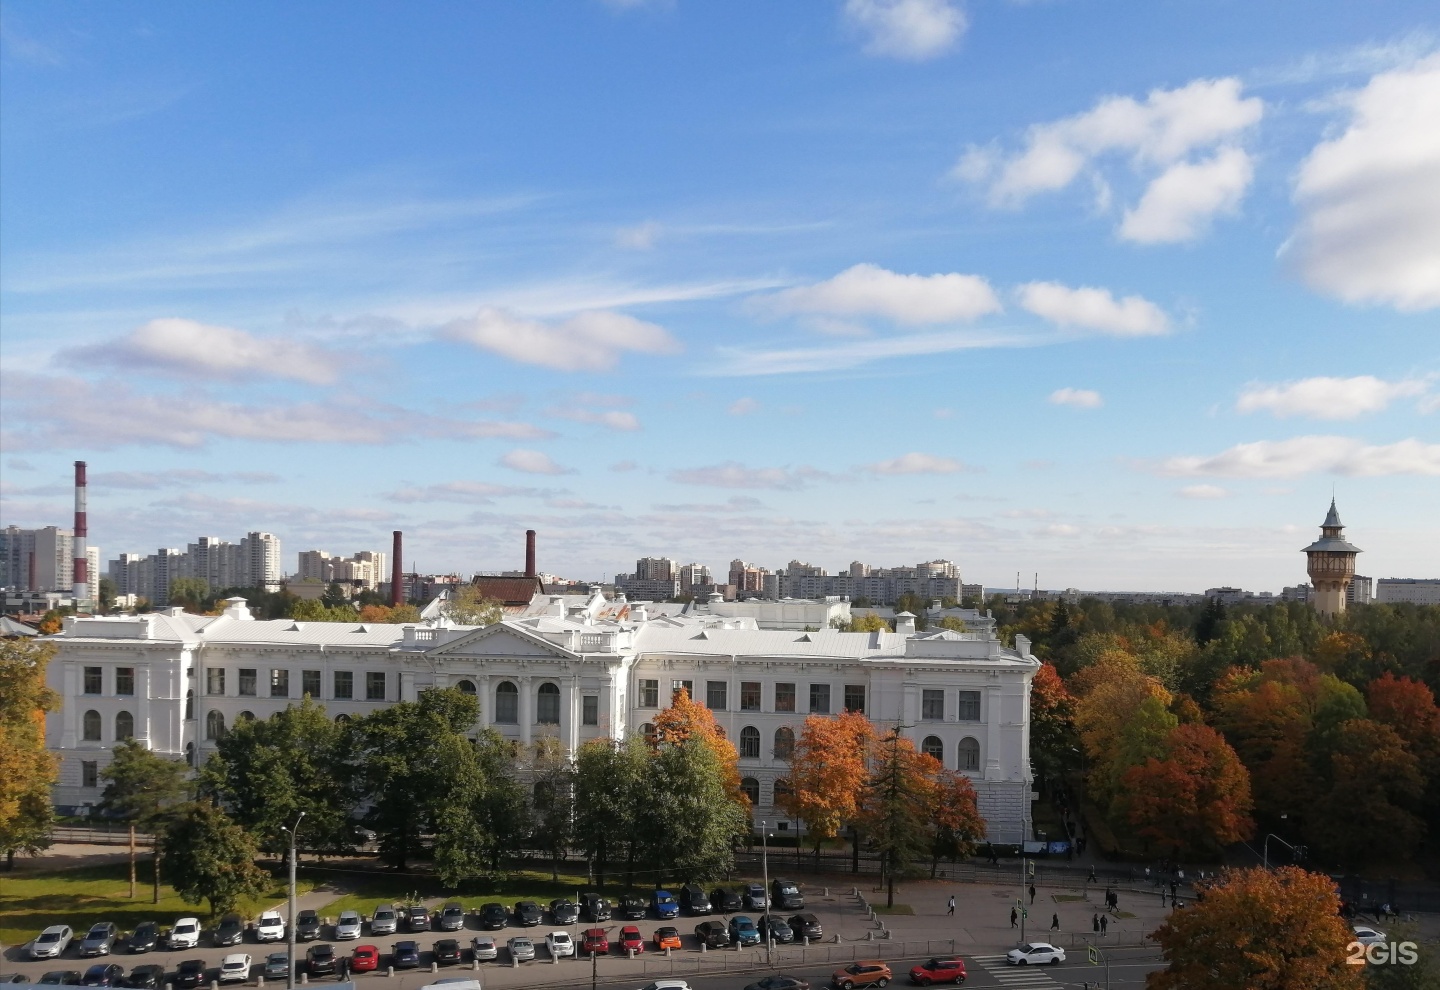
[1115, 294]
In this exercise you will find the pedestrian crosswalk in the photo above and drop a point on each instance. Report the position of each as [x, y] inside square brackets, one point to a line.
[1021, 977]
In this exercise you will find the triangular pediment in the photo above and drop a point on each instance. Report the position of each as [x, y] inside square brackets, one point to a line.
[501, 640]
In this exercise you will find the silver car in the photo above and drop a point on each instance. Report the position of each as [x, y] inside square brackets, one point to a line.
[348, 925]
[484, 947]
[99, 939]
[384, 920]
[52, 942]
[521, 949]
[277, 966]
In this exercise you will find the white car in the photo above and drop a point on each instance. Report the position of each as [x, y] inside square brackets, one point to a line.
[521, 949]
[348, 925]
[560, 944]
[484, 947]
[270, 927]
[1035, 954]
[235, 968]
[667, 985]
[52, 942]
[383, 921]
[185, 933]
[1366, 935]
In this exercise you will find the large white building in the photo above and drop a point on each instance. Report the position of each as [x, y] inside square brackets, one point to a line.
[575, 668]
[1419, 591]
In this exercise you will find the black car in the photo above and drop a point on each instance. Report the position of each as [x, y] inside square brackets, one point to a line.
[596, 907]
[61, 978]
[320, 960]
[785, 895]
[446, 951]
[405, 955]
[231, 930]
[452, 917]
[144, 938]
[712, 934]
[694, 899]
[774, 927]
[725, 900]
[528, 914]
[417, 918]
[189, 974]
[632, 908]
[103, 975]
[307, 925]
[806, 926]
[780, 983]
[563, 912]
[14, 978]
[494, 916]
[146, 977]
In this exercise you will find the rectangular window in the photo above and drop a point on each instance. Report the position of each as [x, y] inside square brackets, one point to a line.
[590, 710]
[715, 695]
[310, 683]
[89, 774]
[649, 694]
[124, 680]
[749, 696]
[784, 697]
[215, 680]
[375, 685]
[279, 683]
[247, 682]
[969, 706]
[855, 698]
[94, 680]
[820, 699]
[687, 686]
[344, 684]
[932, 705]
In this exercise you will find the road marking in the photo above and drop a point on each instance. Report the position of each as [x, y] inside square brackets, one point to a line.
[1022, 977]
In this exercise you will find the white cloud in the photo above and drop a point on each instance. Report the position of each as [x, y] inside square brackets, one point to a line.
[471, 492]
[187, 348]
[916, 463]
[1328, 398]
[1080, 398]
[1311, 454]
[799, 360]
[641, 237]
[908, 29]
[614, 419]
[1179, 204]
[1093, 309]
[733, 474]
[532, 462]
[1369, 199]
[624, 466]
[1203, 492]
[911, 300]
[591, 341]
[743, 406]
[1058, 529]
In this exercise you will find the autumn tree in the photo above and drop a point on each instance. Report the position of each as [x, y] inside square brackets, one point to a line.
[1374, 790]
[894, 805]
[693, 821]
[206, 856]
[27, 769]
[956, 825]
[1408, 706]
[1052, 724]
[827, 771]
[1106, 719]
[1261, 930]
[1194, 798]
[687, 719]
[866, 622]
[469, 606]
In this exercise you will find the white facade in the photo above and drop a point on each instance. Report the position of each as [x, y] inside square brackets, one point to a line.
[363, 571]
[1420, 591]
[575, 671]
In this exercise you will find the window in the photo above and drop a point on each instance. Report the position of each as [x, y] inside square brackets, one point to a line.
[89, 774]
[344, 684]
[94, 680]
[124, 726]
[649, 694]
[784, 743]
[932, 705]
[507, 703]
[820, 699]
[190, 703]
[90, 726]
[969, 706]
[124, 680]
[932, 746]
[715, 695]
[855, 698]
[547, 705]
[749, 696]
[749, 743]
[247, 682]
[214, 725]
[215, 680]
[590, 710]
[279, 683]
[687, 686]
[466, 687]
[750, 787]
[648, 731]
[244, 717]
[969, 754]
[374, 685]
[310, 683]
[784, 697]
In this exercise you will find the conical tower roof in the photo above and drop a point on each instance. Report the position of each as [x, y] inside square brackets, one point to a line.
[1330, 538]
[1332, 518]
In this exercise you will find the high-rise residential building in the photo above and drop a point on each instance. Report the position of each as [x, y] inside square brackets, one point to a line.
[748, 579]
[1331, 563]
[1418, 591]
[934, 579]
[37, 559]
[364, 571]
[693, 576]
[252, 563]
[1361, 590]
[656, 569]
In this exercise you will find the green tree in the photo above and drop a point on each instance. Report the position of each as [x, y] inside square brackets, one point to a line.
[141, 789]
[334, 596]
[189, 592]
[695, 822]
[610, 780]
[462, 841]
[208, 857]
[554, 799]
[107, 595]
[504, 807]
[953, 623]
[27, 769]
[866, 622]
[468, 606]
[893, 808]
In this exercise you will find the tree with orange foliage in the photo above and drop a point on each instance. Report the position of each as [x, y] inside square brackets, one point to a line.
[1375, 788]
[687, 719]
[1195, 798]
[827, 771]
[27, 768]
[1052, 724]
[955, 821]
[1104, 717]
[1259, 930]
[895, 805]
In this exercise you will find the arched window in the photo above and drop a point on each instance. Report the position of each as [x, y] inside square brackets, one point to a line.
[783, 790]
[750, 787]
[341, 719]
[784, 743]
[932, 746]
[749, 743]
[547, 704]
[190, 703]
[90, 726]
[244, 717]
[648, 731]
[214, 724]
[124, 726]
[969, 754]
[507, 703]
[466, 687]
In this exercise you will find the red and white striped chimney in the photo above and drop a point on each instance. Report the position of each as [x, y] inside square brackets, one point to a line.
[397, 574]
[81, 589]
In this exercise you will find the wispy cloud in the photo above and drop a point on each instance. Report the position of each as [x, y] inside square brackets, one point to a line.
[1311, 455]
[733, 474]
[189, 349]
[743, 406]
[916, 463]
[1203, 492]
[590, 341]
[1080, 398]
[735, 362]
[467, 492]
[532, 462]
[913, 30]
[867, 290]
[1328, 398]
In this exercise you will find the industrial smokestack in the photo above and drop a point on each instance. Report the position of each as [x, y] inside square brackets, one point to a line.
[81, 589]
[397, 574]
[529, 553]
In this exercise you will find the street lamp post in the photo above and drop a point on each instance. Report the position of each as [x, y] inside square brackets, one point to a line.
[290, 922]
[765, 872]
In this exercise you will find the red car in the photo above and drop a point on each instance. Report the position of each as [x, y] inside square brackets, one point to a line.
[630, 938]
[938, 971]
[364, 959]
[595, 940]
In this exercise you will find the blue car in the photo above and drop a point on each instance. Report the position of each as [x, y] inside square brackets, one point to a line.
[666, 906]
[743, 931]
[405, 955]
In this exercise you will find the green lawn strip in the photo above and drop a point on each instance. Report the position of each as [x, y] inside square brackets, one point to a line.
[897, 909]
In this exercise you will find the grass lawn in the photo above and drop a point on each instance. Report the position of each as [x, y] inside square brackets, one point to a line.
[83, 896]
[897, 909]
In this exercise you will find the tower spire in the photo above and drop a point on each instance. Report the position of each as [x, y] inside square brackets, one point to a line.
[1330, 561]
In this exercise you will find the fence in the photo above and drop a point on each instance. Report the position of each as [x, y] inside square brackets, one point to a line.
[108, 834]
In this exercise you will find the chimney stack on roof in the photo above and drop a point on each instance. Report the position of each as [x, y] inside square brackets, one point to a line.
[397, 573]
[81, 589]
[529, 553]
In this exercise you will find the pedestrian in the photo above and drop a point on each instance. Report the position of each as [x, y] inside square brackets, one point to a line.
[1095, 923]
[1092, 875]
[1055, 922]
[952, 905]
[1014, 917]
[1104, 923]
[1032, 893]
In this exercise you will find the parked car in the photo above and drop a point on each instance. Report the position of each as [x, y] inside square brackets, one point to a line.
[563, 911]
[1366, 935]
[14, 978]
[755, 897]
[483, 947]
[452, 917]
[950, 970]
[307, 926]
[528, 914]
[52, 942]
[631, 940]
[277, 966]
[667, 937]
[632, 907]
[743, 931]
[417, 918]
[780, 983]
[595, 940]
[785, 895]
[521, 949]
[806, 926]
[666, 907]
[147, 977]
[104, 975]
[384, 921]
[493, 916]
[189, 974]
[774, 927]
[144, 938]
[666, 985]
[348, 926]
[235, 968]
[364, 959]
[445, 952]
[694, 899]
[231, 930]
[712, 934]
[62, 978]
[725, 900]
[1035, 954]
[869, 973]
[596, 907]
[405, 955]
[99, 939]
[320, 960]
[560, 944]
[270, 928]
